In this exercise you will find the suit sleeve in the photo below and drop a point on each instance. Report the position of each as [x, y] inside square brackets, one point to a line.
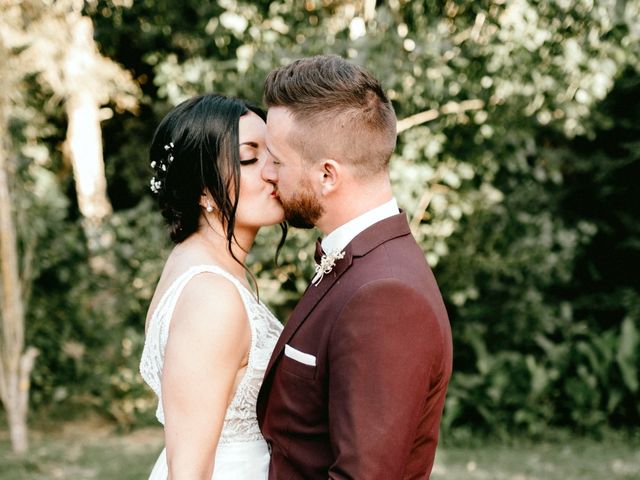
[381, 352]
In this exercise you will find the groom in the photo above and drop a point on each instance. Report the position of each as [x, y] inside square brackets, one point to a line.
[357, 381]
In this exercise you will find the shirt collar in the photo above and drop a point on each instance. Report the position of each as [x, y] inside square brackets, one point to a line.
[337, 240]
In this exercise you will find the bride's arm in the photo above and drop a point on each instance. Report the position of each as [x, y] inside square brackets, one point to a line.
[209, 338]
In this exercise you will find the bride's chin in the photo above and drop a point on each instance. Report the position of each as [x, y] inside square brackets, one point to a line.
[272, 222]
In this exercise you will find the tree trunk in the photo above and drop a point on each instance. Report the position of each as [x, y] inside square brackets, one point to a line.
[15, 365]
[84, 139]
[17, 406]
[84, 147]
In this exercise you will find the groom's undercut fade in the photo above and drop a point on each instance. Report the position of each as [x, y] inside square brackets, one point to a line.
[339, 110]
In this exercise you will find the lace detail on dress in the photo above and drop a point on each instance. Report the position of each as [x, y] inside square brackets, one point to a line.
[240, 422]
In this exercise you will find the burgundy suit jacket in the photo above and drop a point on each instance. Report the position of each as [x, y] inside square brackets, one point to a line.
[371, 406]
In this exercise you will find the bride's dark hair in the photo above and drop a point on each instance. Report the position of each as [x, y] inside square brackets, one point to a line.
[194, 148]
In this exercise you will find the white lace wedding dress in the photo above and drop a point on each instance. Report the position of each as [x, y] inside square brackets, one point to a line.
[242, 452]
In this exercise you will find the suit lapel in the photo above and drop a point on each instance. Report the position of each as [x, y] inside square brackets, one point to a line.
[370, 238]
[309, 300]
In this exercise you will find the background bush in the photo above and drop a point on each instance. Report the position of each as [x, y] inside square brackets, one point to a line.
[521, 189]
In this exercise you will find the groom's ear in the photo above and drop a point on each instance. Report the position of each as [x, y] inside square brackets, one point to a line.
[331, 176]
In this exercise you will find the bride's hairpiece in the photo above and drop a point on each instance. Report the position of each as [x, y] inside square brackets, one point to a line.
[161, 166]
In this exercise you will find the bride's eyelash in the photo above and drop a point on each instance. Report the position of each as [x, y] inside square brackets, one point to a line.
[248, 162]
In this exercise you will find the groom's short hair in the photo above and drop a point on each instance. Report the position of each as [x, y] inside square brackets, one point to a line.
[340, 111]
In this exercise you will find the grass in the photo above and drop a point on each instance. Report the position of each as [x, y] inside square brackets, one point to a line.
[82, 450]
[93, 450]
[571, 459]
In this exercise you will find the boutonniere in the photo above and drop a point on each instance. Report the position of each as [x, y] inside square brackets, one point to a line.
[327, 262]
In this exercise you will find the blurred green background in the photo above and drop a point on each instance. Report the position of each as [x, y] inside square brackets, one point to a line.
[518, 163]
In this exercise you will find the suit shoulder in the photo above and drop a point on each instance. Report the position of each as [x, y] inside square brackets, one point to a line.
[401, 251]
[387, 291]
[400, 259]
[390, 308]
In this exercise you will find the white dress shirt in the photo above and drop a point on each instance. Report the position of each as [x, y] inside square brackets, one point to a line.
[337, 240]
[341, 236]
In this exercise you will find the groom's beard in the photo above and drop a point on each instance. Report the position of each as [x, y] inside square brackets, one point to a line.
[302, 210]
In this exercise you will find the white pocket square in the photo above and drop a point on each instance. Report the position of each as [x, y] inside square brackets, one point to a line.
[299, 356]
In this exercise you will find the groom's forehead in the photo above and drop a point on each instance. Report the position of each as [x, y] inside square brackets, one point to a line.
[282, 130]
[280, 118]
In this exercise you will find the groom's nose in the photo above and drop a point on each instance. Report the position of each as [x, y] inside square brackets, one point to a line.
[268, 172]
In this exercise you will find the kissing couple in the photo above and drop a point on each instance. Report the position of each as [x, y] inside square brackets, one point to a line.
[354, 385]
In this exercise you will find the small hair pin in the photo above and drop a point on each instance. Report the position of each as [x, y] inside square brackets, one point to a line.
[155, 185]
[161, 166]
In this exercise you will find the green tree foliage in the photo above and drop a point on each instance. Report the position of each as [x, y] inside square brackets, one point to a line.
[516, 165]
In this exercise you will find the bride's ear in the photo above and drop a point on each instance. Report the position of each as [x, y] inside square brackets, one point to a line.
[206, 202]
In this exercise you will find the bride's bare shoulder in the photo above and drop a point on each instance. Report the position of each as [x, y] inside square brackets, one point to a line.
[179, 261]
[210, 309]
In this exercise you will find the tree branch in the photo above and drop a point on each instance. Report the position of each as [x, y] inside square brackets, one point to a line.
[430, 115]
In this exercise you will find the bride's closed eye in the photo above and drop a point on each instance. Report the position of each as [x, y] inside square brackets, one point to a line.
[248, 162]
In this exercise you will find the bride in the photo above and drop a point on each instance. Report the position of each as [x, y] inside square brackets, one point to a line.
[208, 339]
